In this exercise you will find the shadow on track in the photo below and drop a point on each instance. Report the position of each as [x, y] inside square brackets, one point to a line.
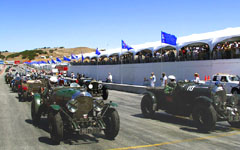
[71, 139]
[188, 124]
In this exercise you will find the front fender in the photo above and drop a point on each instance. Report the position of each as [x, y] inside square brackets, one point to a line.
[113, 104]
[55, 107]
[204, 100]
[153, 98]
[37, 101]
[105, 86]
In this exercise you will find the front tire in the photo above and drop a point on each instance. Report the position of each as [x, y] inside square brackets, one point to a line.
[20, 97]
[112, 122]
[55, 127]
[147, 106]
[105, 94]
[205, 117]
[235, 91]
[36, 116]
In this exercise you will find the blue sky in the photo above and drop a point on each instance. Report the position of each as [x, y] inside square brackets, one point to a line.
[29, 24]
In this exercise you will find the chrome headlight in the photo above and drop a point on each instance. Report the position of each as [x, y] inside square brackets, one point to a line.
[90, 86]
[72, 105]
[100, 86]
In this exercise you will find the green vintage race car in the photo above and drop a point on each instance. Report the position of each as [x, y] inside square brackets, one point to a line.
[73, 109]
[206, 104]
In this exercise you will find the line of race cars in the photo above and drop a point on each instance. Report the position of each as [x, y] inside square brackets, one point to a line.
[73, 105]
[70, 107]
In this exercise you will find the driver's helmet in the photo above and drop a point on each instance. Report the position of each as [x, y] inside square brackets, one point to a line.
[172, 79]
[53, 81]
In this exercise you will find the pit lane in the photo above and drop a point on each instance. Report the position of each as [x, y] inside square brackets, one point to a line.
[136, 132]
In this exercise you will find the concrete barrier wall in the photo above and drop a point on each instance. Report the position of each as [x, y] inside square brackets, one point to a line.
[135, 73]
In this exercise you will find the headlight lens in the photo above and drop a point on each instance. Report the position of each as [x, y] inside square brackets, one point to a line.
[100, 86]
[72, 105]
[90, 86]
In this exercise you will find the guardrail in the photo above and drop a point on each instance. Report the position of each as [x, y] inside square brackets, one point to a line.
[126, 88]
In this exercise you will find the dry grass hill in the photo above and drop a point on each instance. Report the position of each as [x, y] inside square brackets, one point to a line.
[52, 52]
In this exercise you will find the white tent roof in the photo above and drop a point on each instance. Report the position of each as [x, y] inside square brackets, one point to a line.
[210, 38]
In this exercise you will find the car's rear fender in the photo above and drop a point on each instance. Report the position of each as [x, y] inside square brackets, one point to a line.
[153, 98]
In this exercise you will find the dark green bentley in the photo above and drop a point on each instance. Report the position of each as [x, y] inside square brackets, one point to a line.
[72, 109]
[206, 104]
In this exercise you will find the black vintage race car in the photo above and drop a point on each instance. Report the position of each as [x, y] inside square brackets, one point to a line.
[94, 87]
[73, 109]
[8, 78]
[207, 104]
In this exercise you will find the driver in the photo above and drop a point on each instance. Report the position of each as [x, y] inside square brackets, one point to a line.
[172, 81]
[171, 85]
[53, 81]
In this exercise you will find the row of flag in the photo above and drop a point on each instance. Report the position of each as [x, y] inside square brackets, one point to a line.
[165, 38]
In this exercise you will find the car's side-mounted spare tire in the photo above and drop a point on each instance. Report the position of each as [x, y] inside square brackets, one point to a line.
[147, 106]
[205, 117]
[112, 121]
[55, 126]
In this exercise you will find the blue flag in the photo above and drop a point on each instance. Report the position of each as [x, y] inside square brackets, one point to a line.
[53, 62]
[49, 62]
[43, 62]
[125, 46]
[73, 56]
[58, 60]
[66, 59]
[82, 58]
[97, 52]
[168, 38]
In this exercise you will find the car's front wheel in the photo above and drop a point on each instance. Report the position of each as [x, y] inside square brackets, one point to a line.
[147, 106]
[55, 127]
[112, 122]
[105, 94]
[35, 115]
[205, 117]
[235, 91]
[20, 96]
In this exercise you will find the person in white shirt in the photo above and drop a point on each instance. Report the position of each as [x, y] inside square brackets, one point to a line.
[152, 80]
[72, 75]
[164, 79]
[109, 78]
[196, 78]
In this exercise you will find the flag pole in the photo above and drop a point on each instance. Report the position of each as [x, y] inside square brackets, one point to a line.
[121, 64]
[97, 63]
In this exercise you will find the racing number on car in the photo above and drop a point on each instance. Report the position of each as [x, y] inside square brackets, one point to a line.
[190, 88]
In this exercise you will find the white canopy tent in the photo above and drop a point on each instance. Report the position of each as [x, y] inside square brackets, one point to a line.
[210, 38]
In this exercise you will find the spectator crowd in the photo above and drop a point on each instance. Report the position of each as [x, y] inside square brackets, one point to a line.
[227, 50]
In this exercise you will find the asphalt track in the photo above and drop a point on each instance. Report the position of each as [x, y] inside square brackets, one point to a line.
[162, 132]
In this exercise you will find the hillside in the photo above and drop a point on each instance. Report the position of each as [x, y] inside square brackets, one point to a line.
[47, 52]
